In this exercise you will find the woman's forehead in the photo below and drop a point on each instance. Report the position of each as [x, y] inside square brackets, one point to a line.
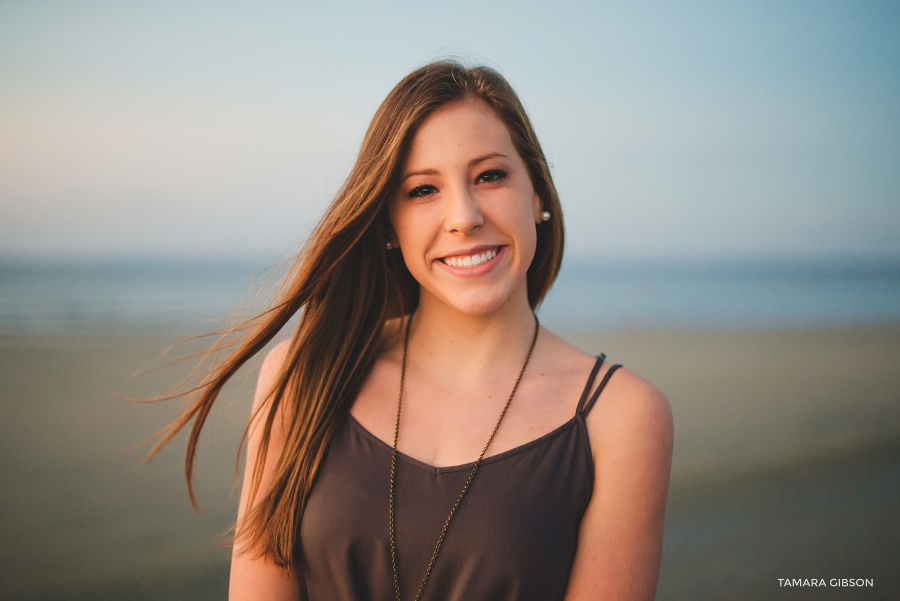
[466, 128]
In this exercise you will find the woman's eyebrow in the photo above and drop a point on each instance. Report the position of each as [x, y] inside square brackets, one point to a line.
[472, 163]
[490, 155]
[422, 172]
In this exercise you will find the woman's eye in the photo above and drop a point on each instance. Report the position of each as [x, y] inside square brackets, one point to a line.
[421, 191]
[490, 176]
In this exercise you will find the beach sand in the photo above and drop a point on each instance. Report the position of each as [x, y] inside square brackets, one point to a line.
[787, 465]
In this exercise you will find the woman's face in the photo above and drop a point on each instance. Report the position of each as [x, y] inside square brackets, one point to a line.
[465, 212]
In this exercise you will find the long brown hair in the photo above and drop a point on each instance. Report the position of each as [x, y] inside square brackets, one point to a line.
[345, 285]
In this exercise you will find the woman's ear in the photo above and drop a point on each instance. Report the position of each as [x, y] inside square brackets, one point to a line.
[537, 208]
[392, 240]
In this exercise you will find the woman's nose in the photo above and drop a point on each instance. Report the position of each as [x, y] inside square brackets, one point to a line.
[462, 214]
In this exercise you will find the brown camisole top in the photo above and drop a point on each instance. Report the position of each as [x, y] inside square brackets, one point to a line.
[512, 538]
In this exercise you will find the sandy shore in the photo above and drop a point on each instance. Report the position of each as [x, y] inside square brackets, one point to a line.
[787, 465]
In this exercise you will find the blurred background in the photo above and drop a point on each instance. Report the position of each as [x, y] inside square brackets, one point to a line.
[730, 175]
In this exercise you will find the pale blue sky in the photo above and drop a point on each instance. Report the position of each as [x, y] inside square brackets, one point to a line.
[676, 129]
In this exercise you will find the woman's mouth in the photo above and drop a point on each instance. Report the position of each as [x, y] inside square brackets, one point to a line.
[472, 260]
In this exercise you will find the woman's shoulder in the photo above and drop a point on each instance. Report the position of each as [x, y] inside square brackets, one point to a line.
[271, 368]
[629, 397]
[631, 421]
[276, 356]
[629, 406]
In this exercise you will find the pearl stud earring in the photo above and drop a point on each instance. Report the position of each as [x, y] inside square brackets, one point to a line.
[545, 215]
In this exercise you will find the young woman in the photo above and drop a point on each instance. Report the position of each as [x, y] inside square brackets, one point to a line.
[419, 435]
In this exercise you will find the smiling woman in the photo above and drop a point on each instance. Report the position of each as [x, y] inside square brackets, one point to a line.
[419, 435]
[466, 209]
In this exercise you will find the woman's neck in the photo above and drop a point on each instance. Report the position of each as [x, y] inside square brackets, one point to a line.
[444, 340]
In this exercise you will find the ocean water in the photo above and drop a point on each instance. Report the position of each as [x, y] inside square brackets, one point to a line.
[76, 297]
[761, 294]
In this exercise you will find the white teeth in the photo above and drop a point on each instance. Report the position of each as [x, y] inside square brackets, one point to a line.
[471, 260]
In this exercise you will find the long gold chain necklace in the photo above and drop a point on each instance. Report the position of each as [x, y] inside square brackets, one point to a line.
[465, 487]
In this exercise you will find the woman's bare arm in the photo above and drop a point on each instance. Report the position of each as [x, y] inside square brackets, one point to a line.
[254, 577]
[620, 537]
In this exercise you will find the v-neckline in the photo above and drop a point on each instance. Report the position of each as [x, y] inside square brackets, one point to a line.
[465, 466]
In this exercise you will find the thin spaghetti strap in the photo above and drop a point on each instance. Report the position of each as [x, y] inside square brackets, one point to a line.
[600, 388]
[590, 381]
